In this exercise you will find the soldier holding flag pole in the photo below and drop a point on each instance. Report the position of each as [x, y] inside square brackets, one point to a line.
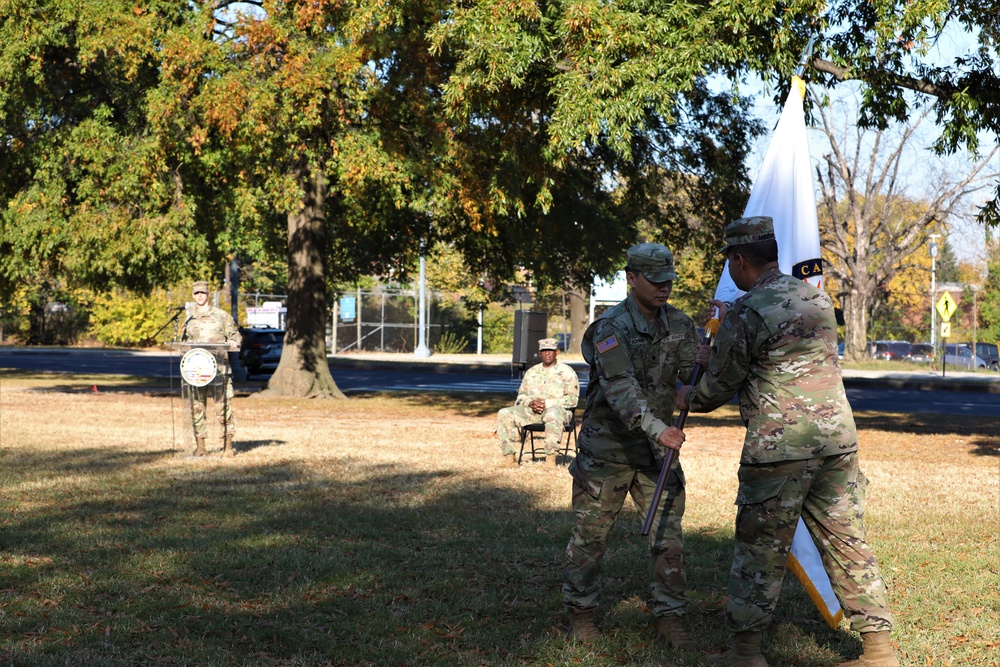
[777, 348]
[801, 440]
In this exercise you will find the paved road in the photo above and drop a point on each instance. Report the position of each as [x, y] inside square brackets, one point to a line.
[868, 392]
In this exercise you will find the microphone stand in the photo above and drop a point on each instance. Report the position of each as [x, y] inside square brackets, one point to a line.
[177, 313]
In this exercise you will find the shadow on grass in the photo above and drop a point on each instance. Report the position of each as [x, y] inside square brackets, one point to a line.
[249, 445]
[986, 446]
[77, 383]
[467, 404]
[108, 560]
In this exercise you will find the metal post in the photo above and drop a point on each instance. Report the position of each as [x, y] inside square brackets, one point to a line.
[934, 254]
[336, 315]
[234, 288]
[382, 324]
[479, 332]
[975, 322]
[422, 350]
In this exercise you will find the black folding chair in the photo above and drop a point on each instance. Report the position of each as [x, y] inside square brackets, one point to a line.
[532, 431]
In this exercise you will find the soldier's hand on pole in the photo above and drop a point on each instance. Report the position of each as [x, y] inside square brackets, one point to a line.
[682, 396]
[701, 354]
[672, 438]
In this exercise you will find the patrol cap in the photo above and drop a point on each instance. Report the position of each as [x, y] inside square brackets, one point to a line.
[200, 286]
[548, 344]
[653, 260]
[748, 230]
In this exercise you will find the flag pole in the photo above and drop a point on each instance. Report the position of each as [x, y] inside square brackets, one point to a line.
[668, 460]
[806, 54]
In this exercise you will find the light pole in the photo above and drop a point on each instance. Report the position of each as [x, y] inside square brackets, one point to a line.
[422, 349]
[934, 254]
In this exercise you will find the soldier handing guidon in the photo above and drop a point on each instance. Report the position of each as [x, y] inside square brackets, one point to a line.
[777, 347]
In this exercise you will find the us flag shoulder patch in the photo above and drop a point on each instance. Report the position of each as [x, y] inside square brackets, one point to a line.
[607, 344]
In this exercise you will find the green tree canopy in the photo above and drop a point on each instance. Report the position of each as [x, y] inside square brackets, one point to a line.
[147, 142]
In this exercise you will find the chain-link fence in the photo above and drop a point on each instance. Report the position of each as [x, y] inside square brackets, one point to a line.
[384, 320]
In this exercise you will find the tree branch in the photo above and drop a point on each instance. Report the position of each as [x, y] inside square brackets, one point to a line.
[920, 85]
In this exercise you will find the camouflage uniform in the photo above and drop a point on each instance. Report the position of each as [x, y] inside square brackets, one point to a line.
[212, 325]
[634, 367]
[559, 386]
[778, 348]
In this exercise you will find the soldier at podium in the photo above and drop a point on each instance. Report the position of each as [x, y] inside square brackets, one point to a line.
[207, 324]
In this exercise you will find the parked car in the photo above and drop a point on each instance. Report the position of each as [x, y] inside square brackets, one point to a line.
[988, 353]
[261, 349]
[840, 349]
[891, 350]
[562, 341]
[921, 353]
[961, 356]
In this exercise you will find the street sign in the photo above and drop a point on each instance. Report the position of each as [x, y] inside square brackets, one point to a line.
[946, 306]
[945, 329]
[348, 306]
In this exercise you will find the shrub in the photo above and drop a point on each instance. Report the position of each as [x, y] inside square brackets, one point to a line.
[498, 329]
[451, 343]
[127, 320]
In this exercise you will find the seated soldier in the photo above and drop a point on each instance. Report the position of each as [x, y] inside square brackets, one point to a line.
[548, 393]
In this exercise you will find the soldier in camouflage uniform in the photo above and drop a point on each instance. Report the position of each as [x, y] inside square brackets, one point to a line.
[207, 324]
[548, 394]
[778, 348]
[637, 351]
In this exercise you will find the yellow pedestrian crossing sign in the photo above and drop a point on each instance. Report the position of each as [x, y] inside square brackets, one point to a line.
[946, 306]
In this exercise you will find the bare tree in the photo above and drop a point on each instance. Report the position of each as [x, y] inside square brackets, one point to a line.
[874, 221]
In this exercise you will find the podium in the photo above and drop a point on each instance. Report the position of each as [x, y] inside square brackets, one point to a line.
[204, 373]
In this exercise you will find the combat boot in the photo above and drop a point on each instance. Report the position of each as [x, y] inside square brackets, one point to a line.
[227, 446]
[582, 626]
[877, 652]
[744, 653]
[199, 449]
[671, 630]
[550, 460]
[509, 461]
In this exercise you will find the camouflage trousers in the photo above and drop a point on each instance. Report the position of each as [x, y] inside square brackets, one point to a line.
[829, 493]
[222, 397]
[599, 492]
[511, 420]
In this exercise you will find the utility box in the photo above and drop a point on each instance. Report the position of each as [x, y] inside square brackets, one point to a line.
[270, 315]
[529, 328]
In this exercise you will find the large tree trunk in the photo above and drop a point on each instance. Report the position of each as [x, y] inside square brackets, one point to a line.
[579, 313]
[855, 307]
[303, 371]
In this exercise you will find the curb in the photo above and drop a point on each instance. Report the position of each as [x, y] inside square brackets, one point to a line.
[986, 385]
[894, 380]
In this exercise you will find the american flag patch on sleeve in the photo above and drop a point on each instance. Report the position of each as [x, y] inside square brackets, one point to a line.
[607, 344]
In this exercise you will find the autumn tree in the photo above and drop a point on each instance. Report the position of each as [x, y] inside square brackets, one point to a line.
[872, 227]
[887, 48]
[90, 197]
[147, 142]
[989, 296]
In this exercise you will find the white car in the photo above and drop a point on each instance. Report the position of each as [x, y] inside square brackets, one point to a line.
[961, 356]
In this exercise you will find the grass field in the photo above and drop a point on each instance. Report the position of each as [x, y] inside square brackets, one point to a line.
[379, 531]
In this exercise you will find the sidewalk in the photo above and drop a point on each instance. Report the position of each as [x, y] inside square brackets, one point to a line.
[501, 363]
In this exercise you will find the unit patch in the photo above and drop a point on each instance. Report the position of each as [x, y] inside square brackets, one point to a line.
[607, 344]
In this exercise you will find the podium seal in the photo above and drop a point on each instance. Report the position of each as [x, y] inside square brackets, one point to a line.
[198, 367]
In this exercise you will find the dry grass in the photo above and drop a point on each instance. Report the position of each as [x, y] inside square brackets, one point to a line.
[378, 531]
